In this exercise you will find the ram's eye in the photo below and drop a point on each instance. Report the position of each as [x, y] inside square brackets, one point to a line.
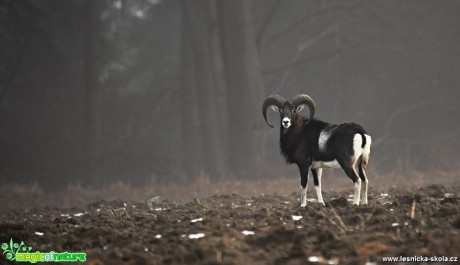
[294, 111]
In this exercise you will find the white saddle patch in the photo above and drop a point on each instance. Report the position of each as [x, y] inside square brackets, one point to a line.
[323, 137]
[325, 164]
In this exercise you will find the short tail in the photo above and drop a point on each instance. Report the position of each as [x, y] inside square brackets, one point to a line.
[364, 140]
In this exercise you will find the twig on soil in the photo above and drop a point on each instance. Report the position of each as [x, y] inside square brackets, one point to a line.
[333, 222]
[339, 219]
[152, 201]
[111, 212]
[366, 219]
[202, 204]
[412, 212]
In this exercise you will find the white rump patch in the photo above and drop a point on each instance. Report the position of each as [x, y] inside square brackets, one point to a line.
[325, 164]
[357, 143]
[323, 137]
[358, 150]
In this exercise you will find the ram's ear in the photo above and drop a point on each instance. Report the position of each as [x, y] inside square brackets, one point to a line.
[275, 108]
[299, 108]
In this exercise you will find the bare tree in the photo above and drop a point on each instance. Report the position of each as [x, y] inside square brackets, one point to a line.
[243, 82]
[93, 49]
[200, 69]
[14, 43]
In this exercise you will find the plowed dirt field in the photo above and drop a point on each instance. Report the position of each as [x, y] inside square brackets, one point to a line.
[231, 229]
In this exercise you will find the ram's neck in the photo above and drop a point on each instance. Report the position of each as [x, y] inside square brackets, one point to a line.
[288, 138]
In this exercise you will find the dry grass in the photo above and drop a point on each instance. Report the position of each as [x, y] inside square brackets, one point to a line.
[20, 196]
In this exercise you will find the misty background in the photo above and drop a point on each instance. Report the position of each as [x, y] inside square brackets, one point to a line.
[95, 92]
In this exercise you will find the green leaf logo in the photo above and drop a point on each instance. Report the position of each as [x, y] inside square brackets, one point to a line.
[10, 250]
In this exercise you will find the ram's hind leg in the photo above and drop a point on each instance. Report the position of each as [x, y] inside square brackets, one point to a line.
[363, 161]
[317, 172]
[362, 175]
[349, 169]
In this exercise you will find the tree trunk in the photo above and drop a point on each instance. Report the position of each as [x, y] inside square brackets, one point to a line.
[92, 87]
[244, 85]
[198, 36]
[191, 155]
[3, 48]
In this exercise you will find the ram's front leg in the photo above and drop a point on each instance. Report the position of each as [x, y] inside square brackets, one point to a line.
[304, 169]
[317, 173]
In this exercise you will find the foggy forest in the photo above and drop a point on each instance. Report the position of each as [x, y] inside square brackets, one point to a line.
[133, 131]
[142, 91]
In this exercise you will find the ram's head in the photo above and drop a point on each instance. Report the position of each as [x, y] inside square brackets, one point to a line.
[288, 109]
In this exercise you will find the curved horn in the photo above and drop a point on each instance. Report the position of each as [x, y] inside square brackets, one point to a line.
[272, 100]
[304, 99]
